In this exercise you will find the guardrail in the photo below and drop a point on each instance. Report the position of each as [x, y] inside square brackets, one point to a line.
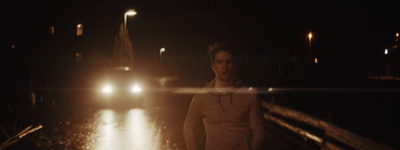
[333, 137]
[19, 136]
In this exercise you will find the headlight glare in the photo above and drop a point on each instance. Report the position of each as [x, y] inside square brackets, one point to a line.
[136, 89]
[107, 89]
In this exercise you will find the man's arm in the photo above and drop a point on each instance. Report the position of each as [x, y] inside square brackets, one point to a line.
[257, 123]
[192, 126]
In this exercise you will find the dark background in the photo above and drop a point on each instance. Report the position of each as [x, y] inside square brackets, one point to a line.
[348, 37]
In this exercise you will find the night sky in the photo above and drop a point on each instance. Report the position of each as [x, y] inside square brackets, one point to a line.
[349, 37]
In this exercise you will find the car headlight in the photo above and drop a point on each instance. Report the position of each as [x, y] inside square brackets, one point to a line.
[136, 89]
[107, 89]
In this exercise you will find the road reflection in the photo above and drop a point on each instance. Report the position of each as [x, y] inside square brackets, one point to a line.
[130, 129]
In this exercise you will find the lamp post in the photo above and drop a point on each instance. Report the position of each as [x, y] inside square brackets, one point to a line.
[130, 12]
[387, 61]
[161, 51]
[309, 44]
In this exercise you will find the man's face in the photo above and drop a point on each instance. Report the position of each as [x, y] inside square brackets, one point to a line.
[223, 66]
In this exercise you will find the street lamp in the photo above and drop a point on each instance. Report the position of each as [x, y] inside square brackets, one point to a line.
[161, 51]
[387, 62]
[130, 12]
[309, 44]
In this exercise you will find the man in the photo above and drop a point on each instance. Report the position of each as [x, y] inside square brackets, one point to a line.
[231, 112]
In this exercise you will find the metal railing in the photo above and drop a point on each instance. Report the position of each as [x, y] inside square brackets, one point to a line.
[19, 135]
[333, 137]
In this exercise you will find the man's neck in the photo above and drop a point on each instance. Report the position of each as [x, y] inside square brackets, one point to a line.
[224, 84]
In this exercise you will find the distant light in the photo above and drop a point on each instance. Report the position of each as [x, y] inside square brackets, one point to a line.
[316, 60]
[397, 34]
[79, 29]
[162, 50]
[131, 12]
[309, 35]
[52, 30]
[107, 89]
[386, 51]
[126, 68]
[136, 89]
[78, 57]
[13, 46]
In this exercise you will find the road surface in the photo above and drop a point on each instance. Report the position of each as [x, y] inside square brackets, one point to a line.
[77, 123]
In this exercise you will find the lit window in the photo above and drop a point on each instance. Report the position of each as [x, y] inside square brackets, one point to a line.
[79, 29]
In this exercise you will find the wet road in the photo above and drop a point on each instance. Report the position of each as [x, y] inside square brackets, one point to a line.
[78, 124]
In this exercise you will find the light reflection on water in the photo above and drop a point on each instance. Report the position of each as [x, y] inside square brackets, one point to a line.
[130, 129]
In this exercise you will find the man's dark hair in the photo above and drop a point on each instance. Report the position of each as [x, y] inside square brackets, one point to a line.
[221, 46]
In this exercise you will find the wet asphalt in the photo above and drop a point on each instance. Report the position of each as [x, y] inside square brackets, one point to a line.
[77, 122]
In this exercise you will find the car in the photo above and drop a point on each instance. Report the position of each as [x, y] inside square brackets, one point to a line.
[123, 87]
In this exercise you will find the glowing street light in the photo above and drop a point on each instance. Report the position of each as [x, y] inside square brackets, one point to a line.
[161, 51]
[387, 64]
[130, 12]
[309, 43]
